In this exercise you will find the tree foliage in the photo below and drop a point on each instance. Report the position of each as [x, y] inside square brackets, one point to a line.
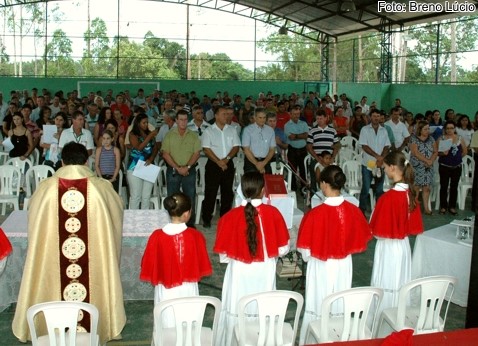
[298, 57]
[427, 40]
[295, 58]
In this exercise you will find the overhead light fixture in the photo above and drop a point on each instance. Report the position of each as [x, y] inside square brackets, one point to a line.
[283, 30]
[348, 6]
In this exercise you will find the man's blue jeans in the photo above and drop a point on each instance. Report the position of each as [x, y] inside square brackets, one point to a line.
[367, 177]
[187, 184]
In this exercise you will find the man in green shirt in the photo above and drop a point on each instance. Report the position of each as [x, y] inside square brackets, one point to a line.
[180, 149]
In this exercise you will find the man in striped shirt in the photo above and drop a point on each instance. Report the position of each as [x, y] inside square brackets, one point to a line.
[322, 137]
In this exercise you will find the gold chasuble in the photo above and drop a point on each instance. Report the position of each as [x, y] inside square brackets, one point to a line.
[75, 223]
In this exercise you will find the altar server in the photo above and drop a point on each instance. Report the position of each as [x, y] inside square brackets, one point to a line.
[249, 239]
[328, 236]
[176, 257]
[396, 216]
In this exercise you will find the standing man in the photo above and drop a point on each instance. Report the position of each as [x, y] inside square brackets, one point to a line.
[283, 115]
[180, 150]
[169, 122]
[296, 132]
[92, 117]
[322, 137]
[375, 146]
[198, 124]
[399, 129]
[258, 143]
[220, 143]
[77, 133]
[75, 226]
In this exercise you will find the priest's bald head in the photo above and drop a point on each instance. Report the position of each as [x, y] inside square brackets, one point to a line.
[74, 154]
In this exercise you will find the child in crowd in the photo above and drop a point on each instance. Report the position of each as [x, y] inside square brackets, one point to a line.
[396, 216]
[249, 238]
[328, 236]
[176, 257]
[108, 160]
[325, 159]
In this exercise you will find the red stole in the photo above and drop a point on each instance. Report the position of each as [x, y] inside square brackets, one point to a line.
[231, 238]
[392, 219]
[172, 260]
[334, 232]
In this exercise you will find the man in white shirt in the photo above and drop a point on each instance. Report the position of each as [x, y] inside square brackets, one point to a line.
[220, 143]
[399, 129]
[198, 124]
[375, 146]
[77, 133]
[258, 143]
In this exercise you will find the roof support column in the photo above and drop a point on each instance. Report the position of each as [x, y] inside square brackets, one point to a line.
[386, 53]
[324, 58]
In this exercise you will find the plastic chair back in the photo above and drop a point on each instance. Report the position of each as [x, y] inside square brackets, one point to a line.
[61, 319]
[433, 291]
[353, 173]
[357, 303]
[272, 310]
[22, 165]
[35, 175]
[188, 316]
[351, 143]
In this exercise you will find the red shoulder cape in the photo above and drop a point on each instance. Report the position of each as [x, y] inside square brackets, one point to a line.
[334, 232]
[392, 219]
[231, 238]
[5, 246]
[172, 260]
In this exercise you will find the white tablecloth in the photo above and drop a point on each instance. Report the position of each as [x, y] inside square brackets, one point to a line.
[137, 226]
[438, 252]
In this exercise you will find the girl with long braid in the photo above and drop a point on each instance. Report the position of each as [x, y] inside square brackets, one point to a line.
[249, 239]
[396, 216]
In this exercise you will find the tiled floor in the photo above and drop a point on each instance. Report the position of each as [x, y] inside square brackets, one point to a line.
[140, 313]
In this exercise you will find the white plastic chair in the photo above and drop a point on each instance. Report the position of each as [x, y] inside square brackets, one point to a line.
[358, 304]
[270, 327]
[423, 316]
[345, 154]
[188, 315]
[9, 187]
[239, 166]
[466, 180]
[22, 165]
[351, 143]
[33, 177]
[159, 189]
[307, 160]
[61, 320]
[353, 172]
[4, 158]
[35, 157]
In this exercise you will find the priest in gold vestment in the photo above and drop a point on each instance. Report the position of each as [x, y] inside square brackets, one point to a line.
[75, 222]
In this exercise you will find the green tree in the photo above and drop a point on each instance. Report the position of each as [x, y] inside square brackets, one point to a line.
[426, 38]
[173, 52]
[58, 55]
[298, 57]
[96, 57]
[139, 61]
[217, 66]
